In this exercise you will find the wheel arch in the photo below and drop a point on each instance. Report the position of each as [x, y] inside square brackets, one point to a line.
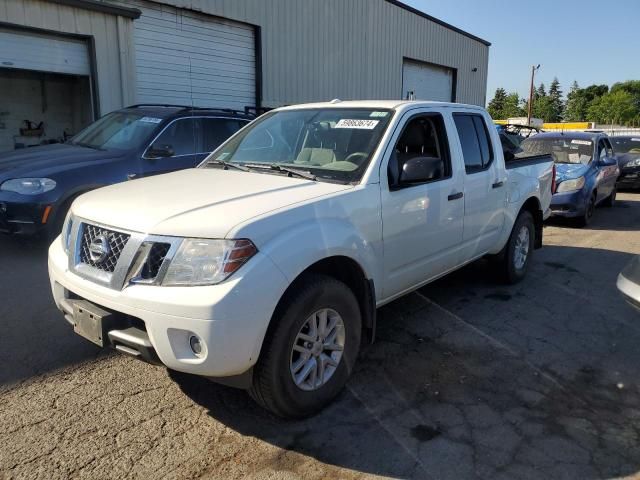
[532, 205]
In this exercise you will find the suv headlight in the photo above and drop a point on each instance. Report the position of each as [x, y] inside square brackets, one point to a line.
[571, 185]
[207, 262]
[633, 163]
[28, 186]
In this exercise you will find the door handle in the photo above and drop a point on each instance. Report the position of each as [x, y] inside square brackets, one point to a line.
[455, 196]
[497, 184]
[131, 176]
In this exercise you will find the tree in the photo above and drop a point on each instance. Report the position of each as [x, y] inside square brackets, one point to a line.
[512, 106]
[539, 92]
[496, 106]
[576, 106]
[555, 102]
[614, 107]
[632, 87]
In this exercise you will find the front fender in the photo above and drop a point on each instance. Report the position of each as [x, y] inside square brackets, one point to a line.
[297, 248]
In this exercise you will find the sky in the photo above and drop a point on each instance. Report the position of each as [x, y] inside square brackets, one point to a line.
[589, 41]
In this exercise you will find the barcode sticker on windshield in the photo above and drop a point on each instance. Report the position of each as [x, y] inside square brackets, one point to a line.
[379, 114]
[360, 124]
[581, 142]
[150, 120]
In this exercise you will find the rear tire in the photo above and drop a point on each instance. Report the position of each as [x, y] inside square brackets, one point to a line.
[293, 347]
[516, 255]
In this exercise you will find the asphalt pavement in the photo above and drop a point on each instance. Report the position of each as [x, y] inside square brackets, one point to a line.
[468, 378]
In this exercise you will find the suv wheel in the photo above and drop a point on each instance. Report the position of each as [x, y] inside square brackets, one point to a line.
[310, 349]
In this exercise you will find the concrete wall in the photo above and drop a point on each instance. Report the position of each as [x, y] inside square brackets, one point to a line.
[321, 49]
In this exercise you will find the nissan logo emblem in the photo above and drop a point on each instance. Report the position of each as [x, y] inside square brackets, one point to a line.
[99, 248]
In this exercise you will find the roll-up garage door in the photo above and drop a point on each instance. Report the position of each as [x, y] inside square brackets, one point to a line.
[425, 81]
[43, 53]
[188, 58]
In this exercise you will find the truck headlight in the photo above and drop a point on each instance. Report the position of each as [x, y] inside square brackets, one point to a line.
[28, 186]
[571, 185]
[66, 232]
[207, 262]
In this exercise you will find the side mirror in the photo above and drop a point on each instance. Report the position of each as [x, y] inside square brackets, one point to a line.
[609, 161]
[159, 151]
[420, 170]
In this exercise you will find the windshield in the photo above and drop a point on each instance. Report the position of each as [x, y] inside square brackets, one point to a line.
[331, 143]
[563, 150]
[626, 145]
[117, 130]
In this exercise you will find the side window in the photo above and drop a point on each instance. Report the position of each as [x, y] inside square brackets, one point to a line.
[602, 150]
[182, 136]
[423, 142]
[607, 144]
[475, 141]
[217, 130]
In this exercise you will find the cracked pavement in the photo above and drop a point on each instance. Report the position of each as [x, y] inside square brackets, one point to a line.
[468, 379]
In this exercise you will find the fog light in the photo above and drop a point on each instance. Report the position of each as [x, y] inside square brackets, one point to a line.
[196, 346]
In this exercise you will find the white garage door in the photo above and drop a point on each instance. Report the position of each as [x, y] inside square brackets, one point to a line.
[424, 81]
[43, 53]
[185, 58]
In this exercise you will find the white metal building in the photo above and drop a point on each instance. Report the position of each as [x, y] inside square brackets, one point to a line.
[66, 62]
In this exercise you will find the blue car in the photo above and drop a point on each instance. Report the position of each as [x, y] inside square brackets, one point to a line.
[37, 185]
[586, 171]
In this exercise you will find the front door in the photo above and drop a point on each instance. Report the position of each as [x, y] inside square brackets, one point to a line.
[484, 189]
[181, 145]
[422, 223]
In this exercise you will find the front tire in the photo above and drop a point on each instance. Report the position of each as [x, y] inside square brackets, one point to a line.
[310, 348]
[517, 253]
[589, 210]
[611, 199]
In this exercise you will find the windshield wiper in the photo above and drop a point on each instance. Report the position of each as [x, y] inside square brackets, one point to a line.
[228, 165]
[294, 171]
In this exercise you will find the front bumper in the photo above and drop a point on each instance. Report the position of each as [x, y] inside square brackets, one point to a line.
[570, 204]
[629, 177]
[23, 218]
[230, 318]
[630, 291]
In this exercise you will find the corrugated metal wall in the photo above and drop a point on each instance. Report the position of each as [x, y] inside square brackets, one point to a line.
[321, 49]
[112, 37]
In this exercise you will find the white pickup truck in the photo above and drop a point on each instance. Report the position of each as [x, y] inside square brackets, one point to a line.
[263, 267]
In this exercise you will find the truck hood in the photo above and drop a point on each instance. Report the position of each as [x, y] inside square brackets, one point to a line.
[203, 203]
[48, 160]
[568, 171]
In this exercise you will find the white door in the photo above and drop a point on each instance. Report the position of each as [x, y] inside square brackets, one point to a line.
[484, 185]
[43, 53]
[422, 222]
[187, 58]
[424, 81]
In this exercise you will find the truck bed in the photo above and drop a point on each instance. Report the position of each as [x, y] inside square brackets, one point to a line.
[527, 161]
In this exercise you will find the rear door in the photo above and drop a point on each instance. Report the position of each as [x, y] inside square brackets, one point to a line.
[484, 189]
[215, 130]
[607, 174]
[422, 222]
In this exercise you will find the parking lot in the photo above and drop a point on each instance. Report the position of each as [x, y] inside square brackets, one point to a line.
[468, 378]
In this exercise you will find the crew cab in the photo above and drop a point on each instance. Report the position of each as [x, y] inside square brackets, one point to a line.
[587, 170]
[263, 268]
[37, 185]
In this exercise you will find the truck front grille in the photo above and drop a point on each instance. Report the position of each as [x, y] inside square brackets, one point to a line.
[157, 255]
[115, 242]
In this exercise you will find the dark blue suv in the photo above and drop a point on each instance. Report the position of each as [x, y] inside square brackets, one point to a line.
[37, 185]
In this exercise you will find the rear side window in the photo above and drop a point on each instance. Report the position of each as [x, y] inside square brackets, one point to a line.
[217, 130]
[475, 141]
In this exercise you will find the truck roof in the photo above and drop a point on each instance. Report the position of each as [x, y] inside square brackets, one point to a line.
[383, 104]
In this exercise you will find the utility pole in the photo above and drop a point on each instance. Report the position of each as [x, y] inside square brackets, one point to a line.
[533, 72]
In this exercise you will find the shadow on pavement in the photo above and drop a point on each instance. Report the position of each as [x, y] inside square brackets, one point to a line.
[34, 337]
